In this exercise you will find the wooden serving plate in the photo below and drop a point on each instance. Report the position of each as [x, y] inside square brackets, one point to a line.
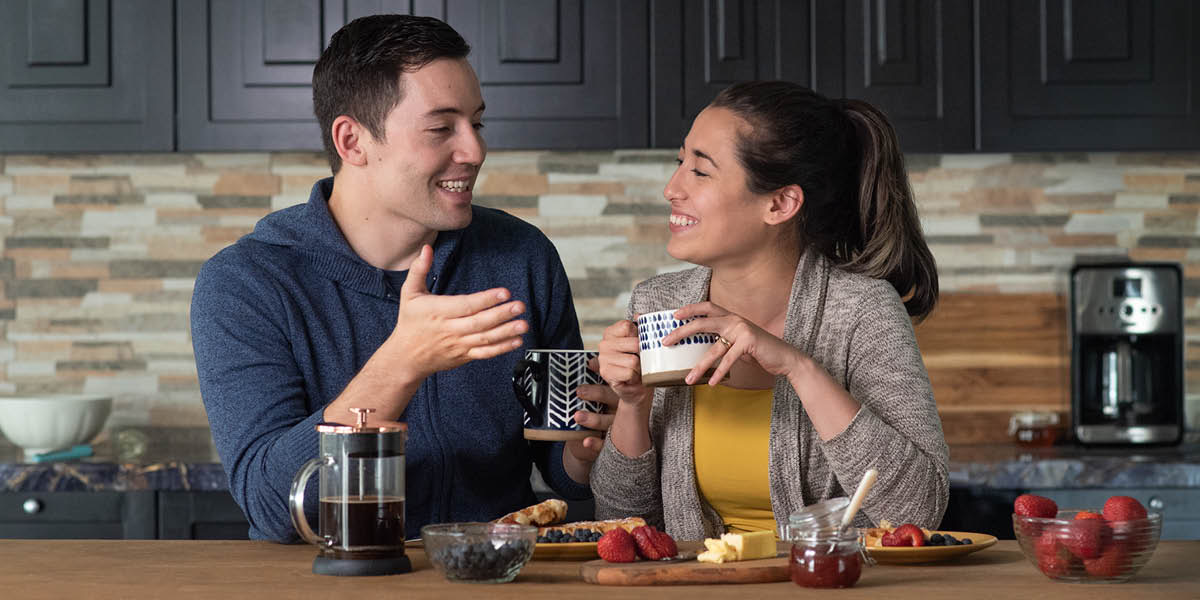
[688, 572]
[905, 555]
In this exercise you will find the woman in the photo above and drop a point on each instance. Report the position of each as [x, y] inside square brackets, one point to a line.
[798, 210]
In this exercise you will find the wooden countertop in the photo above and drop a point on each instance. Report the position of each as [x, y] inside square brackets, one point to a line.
[229, 570]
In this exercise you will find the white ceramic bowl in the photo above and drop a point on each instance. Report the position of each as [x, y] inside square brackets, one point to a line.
[41, 424]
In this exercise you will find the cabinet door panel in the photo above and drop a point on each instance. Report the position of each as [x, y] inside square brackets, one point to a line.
[245, 68]
[559, 73]
[702, 46]
[1071, 75]
[77, 515]
[85, 75]
[912, 59]
[200, 516]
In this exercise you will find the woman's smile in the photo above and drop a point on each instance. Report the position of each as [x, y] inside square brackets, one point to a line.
[679, 223]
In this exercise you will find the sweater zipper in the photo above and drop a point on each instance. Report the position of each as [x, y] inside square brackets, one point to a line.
[442, 495]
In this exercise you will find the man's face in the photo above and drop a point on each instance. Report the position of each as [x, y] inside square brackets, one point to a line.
[426, 168]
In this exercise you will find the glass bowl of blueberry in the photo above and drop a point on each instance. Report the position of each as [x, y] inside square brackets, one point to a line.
[479, 552]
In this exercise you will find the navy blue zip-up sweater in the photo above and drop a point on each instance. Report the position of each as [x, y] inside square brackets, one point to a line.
[286, 316]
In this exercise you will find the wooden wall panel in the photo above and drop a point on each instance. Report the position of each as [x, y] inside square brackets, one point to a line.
[989, 355]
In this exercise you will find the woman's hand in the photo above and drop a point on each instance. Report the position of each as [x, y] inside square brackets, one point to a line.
[620, 364]
[621, 367]
[587, 449]
[578, 455]
[739, 339]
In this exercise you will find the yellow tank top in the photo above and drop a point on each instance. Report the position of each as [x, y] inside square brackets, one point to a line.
[732, 430]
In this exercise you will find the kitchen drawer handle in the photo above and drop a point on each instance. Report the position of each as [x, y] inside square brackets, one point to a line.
[32, 506]
[1156, 504]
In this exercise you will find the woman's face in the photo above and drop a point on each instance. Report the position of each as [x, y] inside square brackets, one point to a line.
[715, 218]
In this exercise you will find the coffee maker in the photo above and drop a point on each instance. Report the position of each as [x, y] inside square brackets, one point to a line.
[1127, 353]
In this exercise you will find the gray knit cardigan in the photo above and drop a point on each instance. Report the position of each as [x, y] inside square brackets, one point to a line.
[857, 329]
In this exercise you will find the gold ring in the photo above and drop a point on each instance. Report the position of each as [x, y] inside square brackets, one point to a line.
[724, 341]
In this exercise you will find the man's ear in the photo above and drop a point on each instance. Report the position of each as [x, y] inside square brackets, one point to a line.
[785, 204]
[350, 139]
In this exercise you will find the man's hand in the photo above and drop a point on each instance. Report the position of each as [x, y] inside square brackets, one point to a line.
[435, 333]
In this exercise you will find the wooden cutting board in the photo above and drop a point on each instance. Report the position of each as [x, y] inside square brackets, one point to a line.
[648, 572]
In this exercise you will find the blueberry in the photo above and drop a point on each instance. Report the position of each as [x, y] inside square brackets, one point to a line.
[542, 539]
[965, 541]
[936, 539]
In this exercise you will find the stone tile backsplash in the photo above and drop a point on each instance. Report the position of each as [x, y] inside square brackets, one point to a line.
[100, 250]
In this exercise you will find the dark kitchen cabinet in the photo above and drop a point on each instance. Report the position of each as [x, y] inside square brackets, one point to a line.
[559, 73]
[86, 76]
[703, 46]
[1095, 75]
[910, 58]
[245, 69]
[77, 515]
[200, 516]
[952, 75]
[147, 515]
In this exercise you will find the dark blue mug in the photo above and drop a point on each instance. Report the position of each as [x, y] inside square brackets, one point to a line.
[546, 384]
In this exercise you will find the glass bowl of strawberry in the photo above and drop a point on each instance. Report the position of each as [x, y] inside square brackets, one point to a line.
[1109, 545]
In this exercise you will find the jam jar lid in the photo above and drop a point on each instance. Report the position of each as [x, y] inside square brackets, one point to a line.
[1032, 419]
[822, 515]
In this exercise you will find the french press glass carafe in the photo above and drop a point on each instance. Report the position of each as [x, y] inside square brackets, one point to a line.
[361, 530]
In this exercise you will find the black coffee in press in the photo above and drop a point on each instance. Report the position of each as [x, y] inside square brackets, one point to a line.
[373, 523]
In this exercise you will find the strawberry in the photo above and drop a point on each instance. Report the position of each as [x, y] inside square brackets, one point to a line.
[1132, 536]
[1086, 538]
[1113, 562]
[910, 535]
[1123, 508]
[1087, 514]
[889, 539]
[653, 544]
[617, 546]
[1029, 505]
[665, 543]
[1052, 558]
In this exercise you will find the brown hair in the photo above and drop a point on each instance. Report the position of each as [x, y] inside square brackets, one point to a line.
[858, 207]
[358, 74]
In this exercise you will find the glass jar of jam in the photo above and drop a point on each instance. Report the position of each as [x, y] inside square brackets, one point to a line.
[1035, 428]
[824, 555]
[830, 560]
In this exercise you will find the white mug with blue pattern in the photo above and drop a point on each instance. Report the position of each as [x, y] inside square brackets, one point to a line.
[664, 366]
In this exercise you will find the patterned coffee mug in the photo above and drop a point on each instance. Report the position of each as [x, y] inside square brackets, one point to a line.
[665, 366]
[545, 383]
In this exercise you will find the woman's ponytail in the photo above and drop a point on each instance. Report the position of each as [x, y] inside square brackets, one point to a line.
[858, 208]
[893, 246]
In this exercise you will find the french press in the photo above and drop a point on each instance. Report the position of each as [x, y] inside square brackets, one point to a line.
[361, 529]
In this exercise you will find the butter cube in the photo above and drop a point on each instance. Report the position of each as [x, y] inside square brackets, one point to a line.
[717, 551]
[751, 546]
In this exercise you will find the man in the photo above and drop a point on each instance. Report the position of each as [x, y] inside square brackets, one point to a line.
[387, 290]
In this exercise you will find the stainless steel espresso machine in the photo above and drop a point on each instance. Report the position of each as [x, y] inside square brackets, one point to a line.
[1127, 353]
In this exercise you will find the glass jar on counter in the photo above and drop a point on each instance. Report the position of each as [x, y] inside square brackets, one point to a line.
[1036, 428]
[824, 555]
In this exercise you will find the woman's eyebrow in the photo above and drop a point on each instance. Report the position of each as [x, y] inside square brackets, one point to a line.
[701, 154]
